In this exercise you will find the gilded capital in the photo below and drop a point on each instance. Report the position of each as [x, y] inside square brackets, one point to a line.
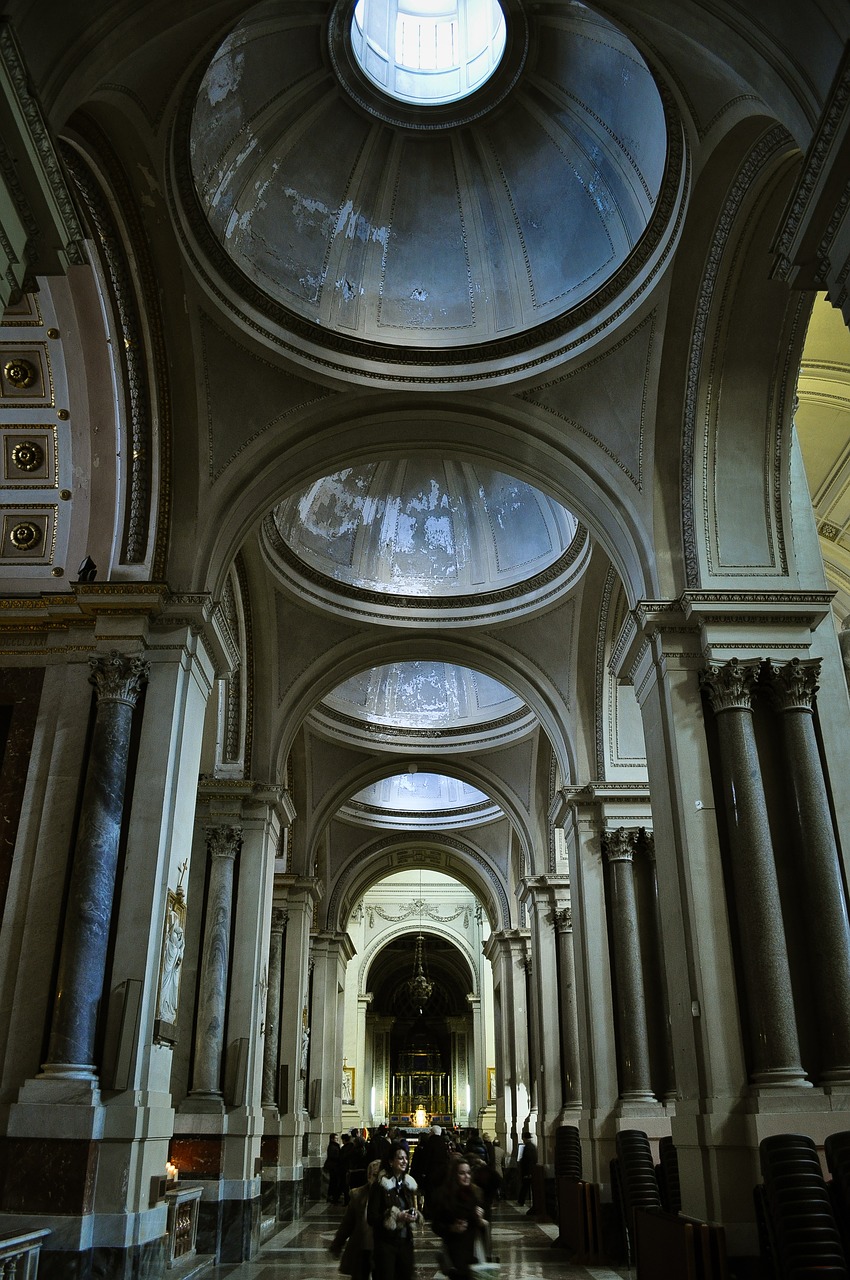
[730, 686]
[224, 842]
[118, 677]
[619, 845]
[794, 685]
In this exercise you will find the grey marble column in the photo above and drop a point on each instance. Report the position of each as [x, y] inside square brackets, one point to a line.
[630, 997]
[271, 1045]
[118, 680]
[793, 687]
[772, 1024]
[223, 844]
[656, 944]
[570, 1066]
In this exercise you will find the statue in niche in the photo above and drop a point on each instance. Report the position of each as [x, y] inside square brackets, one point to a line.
[305, 1042]
[171, 962]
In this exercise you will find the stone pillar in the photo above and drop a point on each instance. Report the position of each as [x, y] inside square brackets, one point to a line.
[223, 844]
[299, 896]
[118, 680]
[477, 1082]
[459, 1029]
[773, 1030]
[568, 1016]
[331, 953]
[271, 1043]
[629, 995]
[819, 875]
[539, 894]
[507, 951]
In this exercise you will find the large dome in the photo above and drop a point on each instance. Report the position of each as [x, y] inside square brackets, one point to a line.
[419, 236]
[421, 536]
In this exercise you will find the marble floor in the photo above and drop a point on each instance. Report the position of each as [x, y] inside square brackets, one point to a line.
[524, 1249]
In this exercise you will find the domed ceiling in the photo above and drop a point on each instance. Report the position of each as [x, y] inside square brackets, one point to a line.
[430, 705]
[421, 533]
[426, 236]
[420, 800]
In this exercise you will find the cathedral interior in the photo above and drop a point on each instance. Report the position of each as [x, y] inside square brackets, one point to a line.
[425, 554]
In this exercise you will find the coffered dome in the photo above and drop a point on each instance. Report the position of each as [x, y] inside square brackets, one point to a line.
[411, 232]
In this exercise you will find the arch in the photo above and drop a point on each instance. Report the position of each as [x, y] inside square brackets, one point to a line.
[567, 467]
[378, 944]
[368, 865]
[374, 770]
[492, 656]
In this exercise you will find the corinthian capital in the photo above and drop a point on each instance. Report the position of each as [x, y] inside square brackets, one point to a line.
[564, 919]
[118, 677]
[619, 845]
[730, 686]
[224, 842]
[794, 685]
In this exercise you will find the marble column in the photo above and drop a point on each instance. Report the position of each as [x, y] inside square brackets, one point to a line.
[630, 997]
[774, 1043]
[793, 687]
[271, 1044]
[568, 1019]
[118, 680]
[223, 844]
[656, 947]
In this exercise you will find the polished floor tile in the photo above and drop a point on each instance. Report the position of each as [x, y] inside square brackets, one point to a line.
[524, 1249]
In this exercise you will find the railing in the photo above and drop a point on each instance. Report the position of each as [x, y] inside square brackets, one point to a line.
[19, 1255]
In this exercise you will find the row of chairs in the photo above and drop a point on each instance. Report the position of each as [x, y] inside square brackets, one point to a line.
[803, 1220]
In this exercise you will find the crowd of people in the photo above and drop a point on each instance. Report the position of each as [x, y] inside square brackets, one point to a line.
[451, 1184]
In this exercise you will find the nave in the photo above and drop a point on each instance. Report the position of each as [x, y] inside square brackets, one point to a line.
[524, 1249]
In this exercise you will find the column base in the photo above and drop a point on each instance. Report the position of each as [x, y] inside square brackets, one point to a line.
[201, 1103]
[836, 1078]
[781, 1078]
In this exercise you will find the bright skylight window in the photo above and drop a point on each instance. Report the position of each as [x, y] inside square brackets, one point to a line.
[428, 52]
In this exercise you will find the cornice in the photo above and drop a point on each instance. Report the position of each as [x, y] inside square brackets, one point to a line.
[93, 604]
[240, 792]
[822, 182]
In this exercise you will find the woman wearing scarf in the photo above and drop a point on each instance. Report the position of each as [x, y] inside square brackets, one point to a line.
[391, 1214]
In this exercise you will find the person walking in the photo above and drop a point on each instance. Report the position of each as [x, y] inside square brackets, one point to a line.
[458, 1219]
[355, 1233]
[391, 1213]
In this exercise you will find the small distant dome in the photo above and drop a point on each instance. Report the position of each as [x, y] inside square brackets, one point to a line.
[427, 800]
[425, 533]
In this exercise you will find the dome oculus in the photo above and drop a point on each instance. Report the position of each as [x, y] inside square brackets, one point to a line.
[428, 52]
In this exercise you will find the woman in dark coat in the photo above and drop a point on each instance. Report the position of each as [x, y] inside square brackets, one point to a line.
[333, 1168]
[458, 1219]
[355, 1233]
[391, 1213]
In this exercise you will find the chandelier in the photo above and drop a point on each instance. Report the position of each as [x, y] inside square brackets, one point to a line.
[419, 987]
